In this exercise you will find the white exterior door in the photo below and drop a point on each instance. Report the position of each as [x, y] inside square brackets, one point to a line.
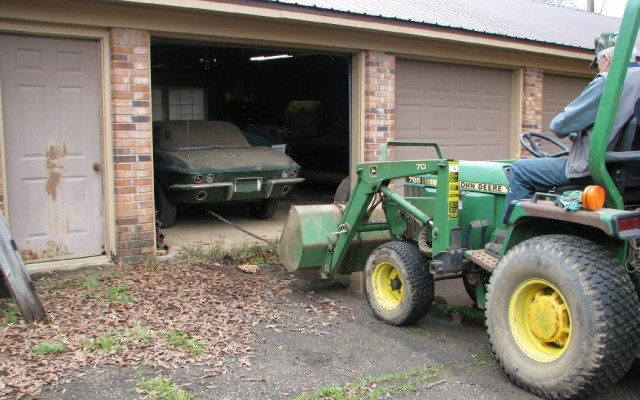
[51, 117]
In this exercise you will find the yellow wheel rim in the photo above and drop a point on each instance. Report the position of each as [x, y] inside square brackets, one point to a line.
[388, 286]
[540, 320]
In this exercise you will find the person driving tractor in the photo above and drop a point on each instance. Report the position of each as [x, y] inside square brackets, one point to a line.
[576, 121]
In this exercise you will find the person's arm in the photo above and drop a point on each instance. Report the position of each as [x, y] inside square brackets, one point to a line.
[581, 112]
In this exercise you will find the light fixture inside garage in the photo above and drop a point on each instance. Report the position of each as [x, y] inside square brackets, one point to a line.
[267, 58]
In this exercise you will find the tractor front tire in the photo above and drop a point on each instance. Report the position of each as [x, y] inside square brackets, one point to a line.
[165, 209]
[398, 283]
[562, 317]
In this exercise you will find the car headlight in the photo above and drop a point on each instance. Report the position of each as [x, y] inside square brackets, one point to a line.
[285, 174]
[209, 178]
[197, 179]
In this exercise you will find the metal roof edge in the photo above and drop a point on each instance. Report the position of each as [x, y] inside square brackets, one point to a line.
[274, 9]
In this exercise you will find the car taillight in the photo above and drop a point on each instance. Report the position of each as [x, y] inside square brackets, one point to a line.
[197, 179]
[209, 178]
[293, 173]
[628, 224]
[284, 174]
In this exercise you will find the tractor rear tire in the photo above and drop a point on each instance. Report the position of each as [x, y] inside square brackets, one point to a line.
[398, 283]
[562, 317]
[165, 209]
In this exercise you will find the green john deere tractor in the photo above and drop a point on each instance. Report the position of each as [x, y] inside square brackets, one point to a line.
[562, 312]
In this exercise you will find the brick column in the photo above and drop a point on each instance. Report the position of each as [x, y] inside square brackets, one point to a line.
[532, 102]
[131, 111]
[379, 102]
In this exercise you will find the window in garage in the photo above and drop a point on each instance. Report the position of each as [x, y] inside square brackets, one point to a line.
[276, 96]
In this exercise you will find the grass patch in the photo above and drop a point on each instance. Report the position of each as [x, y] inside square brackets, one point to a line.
[253, 253]
[377, 387]
[109, 341]
[118, 294]
[418, 331]
[138, 334]
[9, 314]
[484, 359]
[63, 284]
[49, 348]
[193, 252]
[160, 388]
[88, 282]
[182, 340]
[105, 342]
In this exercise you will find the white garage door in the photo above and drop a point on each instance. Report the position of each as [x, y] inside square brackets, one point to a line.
[465, 109]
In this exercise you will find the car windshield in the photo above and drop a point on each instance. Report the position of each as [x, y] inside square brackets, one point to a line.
[197, 135]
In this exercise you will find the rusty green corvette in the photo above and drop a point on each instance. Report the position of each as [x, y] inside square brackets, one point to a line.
[199, 162]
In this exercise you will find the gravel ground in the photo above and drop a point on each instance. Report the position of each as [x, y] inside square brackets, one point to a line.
[328, 338]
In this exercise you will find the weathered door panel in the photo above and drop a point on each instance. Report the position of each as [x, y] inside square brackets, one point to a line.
[51, 114]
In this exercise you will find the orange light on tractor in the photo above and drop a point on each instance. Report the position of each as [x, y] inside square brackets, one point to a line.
[593, 197]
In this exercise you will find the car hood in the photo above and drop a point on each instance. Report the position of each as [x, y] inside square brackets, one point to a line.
[234, 158]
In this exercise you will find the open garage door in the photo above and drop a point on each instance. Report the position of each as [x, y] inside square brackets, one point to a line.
[465, 109]
[292, 100]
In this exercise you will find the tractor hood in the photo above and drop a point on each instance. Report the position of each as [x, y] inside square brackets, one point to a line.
[484, 176]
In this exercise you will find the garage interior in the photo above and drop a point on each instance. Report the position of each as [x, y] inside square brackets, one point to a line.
[261, 90]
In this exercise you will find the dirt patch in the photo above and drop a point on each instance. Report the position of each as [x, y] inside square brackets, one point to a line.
[166, 314]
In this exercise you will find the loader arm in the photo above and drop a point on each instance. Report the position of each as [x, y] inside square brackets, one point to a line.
[373, 178]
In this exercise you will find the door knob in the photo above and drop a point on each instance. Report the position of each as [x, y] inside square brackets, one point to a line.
[97, 166]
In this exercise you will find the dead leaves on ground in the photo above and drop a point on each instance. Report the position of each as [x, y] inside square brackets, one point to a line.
[214, 305]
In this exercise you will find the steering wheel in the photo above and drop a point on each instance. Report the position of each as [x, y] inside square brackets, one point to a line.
[527, 141]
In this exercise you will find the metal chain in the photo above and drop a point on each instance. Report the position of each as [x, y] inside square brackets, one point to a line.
[241, 229]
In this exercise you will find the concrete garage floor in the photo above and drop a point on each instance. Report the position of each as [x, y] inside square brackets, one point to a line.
[196, 226]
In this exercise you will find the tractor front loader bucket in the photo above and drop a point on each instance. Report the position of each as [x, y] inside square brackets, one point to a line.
[309, 231]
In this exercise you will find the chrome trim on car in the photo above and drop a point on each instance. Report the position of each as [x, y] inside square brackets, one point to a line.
[189, 186]
[268, 187]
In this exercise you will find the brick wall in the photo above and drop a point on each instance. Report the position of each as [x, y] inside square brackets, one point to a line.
[131, 112]
[379, 102]
[532, 90]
